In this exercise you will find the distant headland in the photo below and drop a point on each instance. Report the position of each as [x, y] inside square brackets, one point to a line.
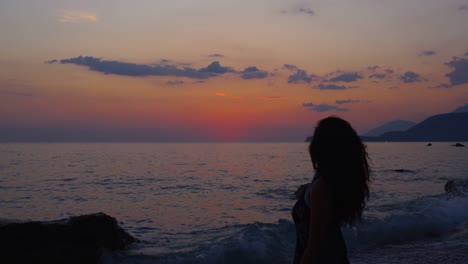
[450, 127]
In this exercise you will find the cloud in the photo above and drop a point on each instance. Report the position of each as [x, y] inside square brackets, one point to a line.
[292, 67]
[373, 68]
[142, 70]
[331, 87]
[215, 67]
[444, 85]
[463, 7]
[345, 77]
[466, 53]
[299, 11]
[323, 107]
[306, 10]
[459, 73]
[377, 76]
[300, 76]
[16, 93]
[175, 82]
[253, 73]
[411, 77]
[348, 101]
[163, 68]
[220, 94]
[389, 71]
[428, 53]
[216, 55]
[77, 16]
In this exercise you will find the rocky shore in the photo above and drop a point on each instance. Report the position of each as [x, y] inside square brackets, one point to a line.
[79, 239]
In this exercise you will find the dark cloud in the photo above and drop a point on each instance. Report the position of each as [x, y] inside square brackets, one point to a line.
[444, 85]
[459, 73]
[215, 67]
[348, 101]
[16, 93]
[389, 71]
[301, 10]
[463, 7]
[323, 107]
[306, 10]
[466, 53]
[253, 73]
[300, 76]
[164, 68]
[345, 77]
[411, 77]
[331, 87]
[290, 67]
[377, 76]
[141, 70]
[216, 55]
[428, 53]
[373, 68]
[175, 82]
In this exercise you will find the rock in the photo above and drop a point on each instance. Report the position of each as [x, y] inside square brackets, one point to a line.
[79, 239]
[429, 144]
[454, 188]
[458, 145]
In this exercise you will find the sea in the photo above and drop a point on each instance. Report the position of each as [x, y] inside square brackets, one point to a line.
[231, 202]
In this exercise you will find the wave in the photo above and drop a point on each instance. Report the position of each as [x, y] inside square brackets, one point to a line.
[422, 219]
[425, 220]
[251, 243]
[276, 193]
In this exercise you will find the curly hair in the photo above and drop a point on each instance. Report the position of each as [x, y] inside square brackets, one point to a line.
[340, 158]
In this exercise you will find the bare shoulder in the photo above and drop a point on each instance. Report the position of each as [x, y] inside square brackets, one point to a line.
[320, 192]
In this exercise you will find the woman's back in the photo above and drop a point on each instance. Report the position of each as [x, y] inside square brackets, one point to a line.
[336, 197]
[332, 248]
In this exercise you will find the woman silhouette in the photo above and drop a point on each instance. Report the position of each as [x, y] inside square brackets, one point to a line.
[336, 196]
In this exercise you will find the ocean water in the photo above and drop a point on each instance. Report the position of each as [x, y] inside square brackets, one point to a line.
[231, 202]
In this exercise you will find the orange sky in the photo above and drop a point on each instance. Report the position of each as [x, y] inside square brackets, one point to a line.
[312, 59]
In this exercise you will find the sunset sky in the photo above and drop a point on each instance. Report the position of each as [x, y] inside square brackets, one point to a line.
[225, 70]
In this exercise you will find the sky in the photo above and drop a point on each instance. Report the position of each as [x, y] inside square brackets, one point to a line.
[225, 70]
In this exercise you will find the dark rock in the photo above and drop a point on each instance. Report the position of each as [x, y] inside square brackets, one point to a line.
[404, 171]
[457, 188]
[429, 144]
[458, 145]
[79, 239]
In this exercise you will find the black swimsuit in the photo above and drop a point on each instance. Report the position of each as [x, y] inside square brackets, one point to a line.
[333, 249]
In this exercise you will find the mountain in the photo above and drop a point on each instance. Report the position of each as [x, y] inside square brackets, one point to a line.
[450, 127]
[396, 125]
[443, 127]
[461, 109]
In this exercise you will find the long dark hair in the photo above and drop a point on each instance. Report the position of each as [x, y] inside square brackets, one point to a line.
[340, 158]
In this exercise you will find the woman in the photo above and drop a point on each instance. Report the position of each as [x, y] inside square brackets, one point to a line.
[336, 196]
